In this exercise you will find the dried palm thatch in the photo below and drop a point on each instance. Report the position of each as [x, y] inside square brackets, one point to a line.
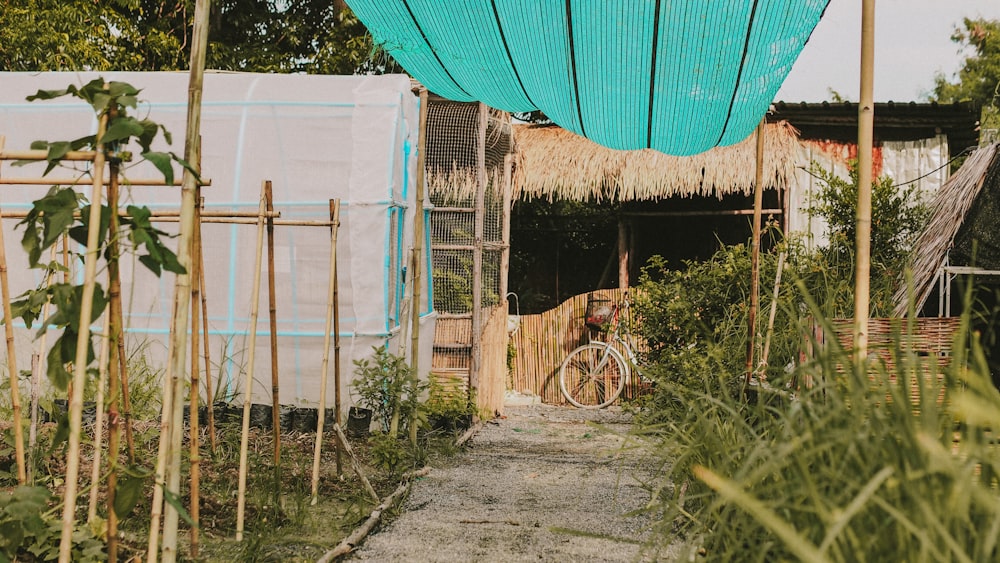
[553, 163]
[949, 210]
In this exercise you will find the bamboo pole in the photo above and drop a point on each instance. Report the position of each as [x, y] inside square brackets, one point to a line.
[416, 266]
[209, 399]
[622, 254]
[477, 254]
[273, 320]
[339, 433]
[194, 449]
[182, 287]
[758, 198]
[37, 368]
[151, 182]
[866, 122]
[325, 366]
[12, 374]
[248, 381]
[116, 368]
[102, 379]
[80, 362]
[770, 317]
[170, 216]
[337, 399]
[79, 156]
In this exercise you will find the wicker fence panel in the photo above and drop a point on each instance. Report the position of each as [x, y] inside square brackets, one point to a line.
[929, 340]
[542, 341]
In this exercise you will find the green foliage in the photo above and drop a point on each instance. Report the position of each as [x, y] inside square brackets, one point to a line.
[897, 217]
[314, 36]
[59, 213]
[852, 468]
[979, 78]
[448, 406]
[387, 385]
[28, 532]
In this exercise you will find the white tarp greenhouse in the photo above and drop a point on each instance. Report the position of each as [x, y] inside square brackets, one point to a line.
[315, 138]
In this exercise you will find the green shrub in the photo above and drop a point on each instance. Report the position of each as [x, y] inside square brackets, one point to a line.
[850, 469]
[388, 387]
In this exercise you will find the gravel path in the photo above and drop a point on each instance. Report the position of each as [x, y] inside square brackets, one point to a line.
[545, 484]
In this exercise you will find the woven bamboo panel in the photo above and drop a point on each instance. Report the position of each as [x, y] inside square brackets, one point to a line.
[928, 342]
[542, 342]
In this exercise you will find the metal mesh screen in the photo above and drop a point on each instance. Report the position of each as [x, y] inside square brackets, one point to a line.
[453, 137]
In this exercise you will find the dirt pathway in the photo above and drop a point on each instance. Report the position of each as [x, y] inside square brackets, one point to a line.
[544, 484]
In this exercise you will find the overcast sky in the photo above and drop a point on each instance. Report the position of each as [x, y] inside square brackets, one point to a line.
[912, 44]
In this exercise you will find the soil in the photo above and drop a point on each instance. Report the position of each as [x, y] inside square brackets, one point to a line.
[543, 484]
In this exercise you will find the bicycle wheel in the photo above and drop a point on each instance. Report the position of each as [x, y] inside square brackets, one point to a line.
[592, 376]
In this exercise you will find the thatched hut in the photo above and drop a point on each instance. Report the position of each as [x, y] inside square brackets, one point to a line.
[587, 217]
[553, 163]
[961, 237]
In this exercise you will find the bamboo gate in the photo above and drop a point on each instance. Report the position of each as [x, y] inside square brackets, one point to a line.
[469, 171]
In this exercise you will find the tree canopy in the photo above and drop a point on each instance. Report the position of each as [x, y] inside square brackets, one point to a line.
[314, 36]
[979, 78]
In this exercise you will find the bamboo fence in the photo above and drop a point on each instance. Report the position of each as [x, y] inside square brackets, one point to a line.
[926, 343]
[493, 376]
[542, 342]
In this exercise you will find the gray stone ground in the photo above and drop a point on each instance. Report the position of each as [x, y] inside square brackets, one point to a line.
[545, 484]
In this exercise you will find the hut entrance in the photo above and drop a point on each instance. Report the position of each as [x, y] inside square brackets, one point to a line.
[469, 177]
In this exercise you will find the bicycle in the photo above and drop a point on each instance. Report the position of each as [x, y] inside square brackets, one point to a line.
[593, 375]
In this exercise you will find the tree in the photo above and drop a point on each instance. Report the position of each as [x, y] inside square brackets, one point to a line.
[313, 36]
[979, 78]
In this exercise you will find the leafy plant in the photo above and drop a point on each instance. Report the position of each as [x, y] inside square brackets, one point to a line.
[388, 387]
[29, 532]
[448, 406]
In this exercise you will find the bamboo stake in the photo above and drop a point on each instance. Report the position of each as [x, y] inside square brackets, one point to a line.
[37, 367]
[418, 245]
[248, 381]
[151, 182]
[182, 293]
[338, 401]
[771, 316]
[115, 322]
[273, 319]
[866, 122]
[195, 452]
[80, 362]
[758, 198]
[102, 378]
[350, 542]
[339, 433]
[325, 366]
[13, 375]
[209, 399]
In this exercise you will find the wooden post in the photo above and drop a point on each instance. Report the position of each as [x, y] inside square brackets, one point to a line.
[248, 379]
[82, 342]
[758, 198]
[866, 123]
[508, 165]
[182, 288]
[622, 254]
[477, 253]
[338, 400]
[325, 367]
[273, 314]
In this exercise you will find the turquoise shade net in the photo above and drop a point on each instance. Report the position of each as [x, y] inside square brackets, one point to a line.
[678, 76]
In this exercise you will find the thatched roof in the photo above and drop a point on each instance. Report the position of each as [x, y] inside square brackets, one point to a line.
[949, 211]
[553, 163]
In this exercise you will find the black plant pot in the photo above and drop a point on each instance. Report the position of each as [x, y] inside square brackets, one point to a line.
[226, 413]
[304, 419]
[359, 421]
[261, 417]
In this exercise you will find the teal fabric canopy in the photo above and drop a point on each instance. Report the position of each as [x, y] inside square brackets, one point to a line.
[678, 76]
